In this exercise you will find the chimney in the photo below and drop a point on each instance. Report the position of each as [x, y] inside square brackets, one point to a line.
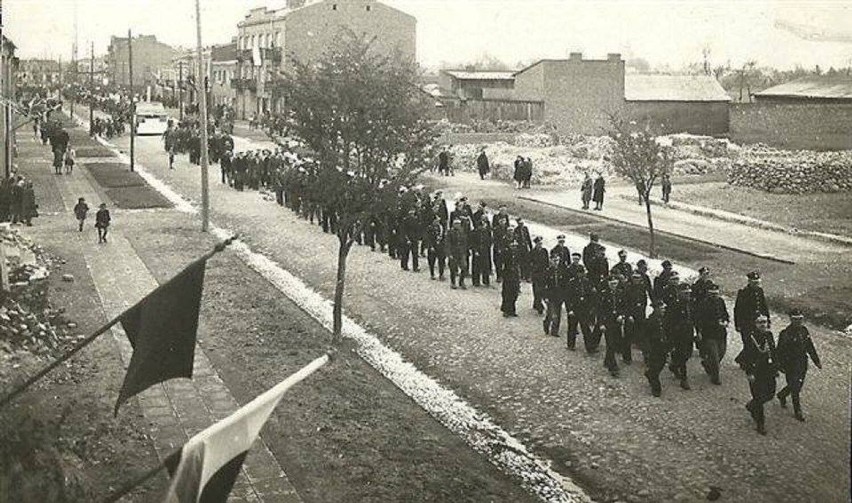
[613, 56]
[576, 56]
[295, 4]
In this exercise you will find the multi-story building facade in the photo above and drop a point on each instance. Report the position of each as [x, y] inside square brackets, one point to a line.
[223, 70]
[149, 56]
[39, 72]
[268, 41]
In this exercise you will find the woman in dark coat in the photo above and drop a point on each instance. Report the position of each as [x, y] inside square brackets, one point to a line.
[518, 174]
[599, 190]
[759, 364]
[28, 204]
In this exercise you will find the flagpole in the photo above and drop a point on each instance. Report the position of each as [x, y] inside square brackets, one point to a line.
[88, 340]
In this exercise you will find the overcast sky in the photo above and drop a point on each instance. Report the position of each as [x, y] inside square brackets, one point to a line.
[664, 32]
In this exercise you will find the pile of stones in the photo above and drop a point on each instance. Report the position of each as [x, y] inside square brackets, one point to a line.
[792, 172]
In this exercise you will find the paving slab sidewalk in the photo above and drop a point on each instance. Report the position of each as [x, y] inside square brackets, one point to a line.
[763, 243]
[177, 409]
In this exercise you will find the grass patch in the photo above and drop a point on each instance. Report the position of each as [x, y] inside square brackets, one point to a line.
[112, 175]
[93, 152]
[813, 212]
[134, 198]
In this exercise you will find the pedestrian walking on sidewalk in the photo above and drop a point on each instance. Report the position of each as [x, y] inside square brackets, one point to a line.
[81, 209]
[70, 159]
[29, 208]
[794, 348]
[599, 190]
[758, 360]
[666, 185]
[102, 221]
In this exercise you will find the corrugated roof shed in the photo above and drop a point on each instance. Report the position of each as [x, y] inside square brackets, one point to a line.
[487, 75]
[820, 87]
[639, 87]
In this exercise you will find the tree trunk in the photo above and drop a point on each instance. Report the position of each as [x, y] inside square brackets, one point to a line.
[337, 314]
[652, 251]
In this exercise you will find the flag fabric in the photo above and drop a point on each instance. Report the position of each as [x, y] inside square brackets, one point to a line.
[162, 329]
[206, 467]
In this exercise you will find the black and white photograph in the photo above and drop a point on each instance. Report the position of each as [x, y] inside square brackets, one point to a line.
[498, 251]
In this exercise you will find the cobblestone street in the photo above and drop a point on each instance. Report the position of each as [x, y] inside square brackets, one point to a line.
[610, 435]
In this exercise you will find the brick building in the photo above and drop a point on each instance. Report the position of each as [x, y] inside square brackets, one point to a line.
[149, 56]
[39, 72]
[267, 40]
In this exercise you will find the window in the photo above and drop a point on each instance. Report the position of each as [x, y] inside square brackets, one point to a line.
[368, 8]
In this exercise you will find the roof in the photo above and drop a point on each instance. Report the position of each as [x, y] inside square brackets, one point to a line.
[673, 88]
[227, 52]
[821, 87]
[485, 75]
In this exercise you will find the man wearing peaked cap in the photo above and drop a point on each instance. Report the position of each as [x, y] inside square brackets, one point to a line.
[656, 347]
[539, 262]
[680, 327]
[623, 267]
[711, 326]
[562, 250]
[758, 361]
[795, 346]
[750, 302]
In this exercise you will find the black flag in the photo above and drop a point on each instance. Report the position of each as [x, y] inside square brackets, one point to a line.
[162, 329]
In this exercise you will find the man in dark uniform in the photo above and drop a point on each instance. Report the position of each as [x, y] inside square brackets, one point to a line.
[794, 348]
[579, 305]
[711, 327]
[758, 361]
[670, 291]
[511, 280]
[750, 302]
[477, 215]
[524, 241]
[457, 250]
[409, 232]
[642, 269]
[656, 348]
[623, 267]
[610, 321]
[594, 258]
[539, 262]
[481, 251]
[662, 280]
[551, 292]
[699, 288]
[439, 206]
[500, 233]
[561, 249]
[636, 304]
[435, 252]
[680, 327]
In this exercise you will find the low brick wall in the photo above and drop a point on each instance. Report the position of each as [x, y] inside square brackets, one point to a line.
[812, 126]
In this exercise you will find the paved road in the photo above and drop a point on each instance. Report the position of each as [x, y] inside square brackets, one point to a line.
[610, 435]
[760, 242]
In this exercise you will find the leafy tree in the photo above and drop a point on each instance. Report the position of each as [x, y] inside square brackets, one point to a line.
[638, 156]
[363, 116]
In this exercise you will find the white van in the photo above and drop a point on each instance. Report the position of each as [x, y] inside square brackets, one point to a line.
[151, 119]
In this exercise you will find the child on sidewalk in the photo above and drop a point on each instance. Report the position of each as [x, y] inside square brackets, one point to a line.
[80, 211]
[70, 157]
[102, 220]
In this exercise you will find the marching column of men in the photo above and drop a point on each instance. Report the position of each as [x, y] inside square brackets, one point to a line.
[600, 302]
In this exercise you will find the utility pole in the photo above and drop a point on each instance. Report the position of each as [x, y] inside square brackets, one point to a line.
[205, 195]
[74, 62]
[5, 77]
[92, 89]
[180, 89]
[132, 102]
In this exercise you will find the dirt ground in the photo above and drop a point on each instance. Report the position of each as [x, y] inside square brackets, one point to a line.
[347, 433]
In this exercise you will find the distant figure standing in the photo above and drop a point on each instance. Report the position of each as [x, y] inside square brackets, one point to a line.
[102, 221]
[667, 188]
[518, 174]
[169, 141]
[29, 208]
[528, 167]
[586, 191]
[70, 159]
[444, 163]
[641, 190]
[482, 164]
[599, 190]
[81, 209]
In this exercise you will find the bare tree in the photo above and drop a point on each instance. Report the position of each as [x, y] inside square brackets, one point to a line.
[362, 115]
[639, 157]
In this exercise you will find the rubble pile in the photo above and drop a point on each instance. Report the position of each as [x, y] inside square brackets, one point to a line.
[27, 322]
[792, 172]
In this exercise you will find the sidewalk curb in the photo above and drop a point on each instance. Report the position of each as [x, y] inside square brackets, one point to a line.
[681, 236]
[727, 216]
